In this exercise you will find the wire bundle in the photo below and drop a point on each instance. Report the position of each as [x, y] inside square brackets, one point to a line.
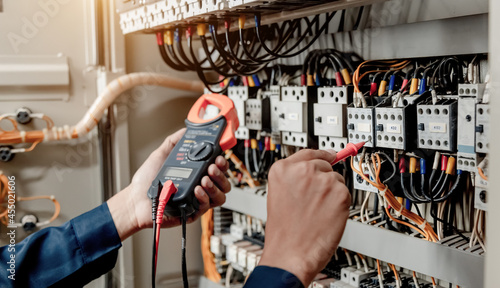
[244, 52]
[421, 227]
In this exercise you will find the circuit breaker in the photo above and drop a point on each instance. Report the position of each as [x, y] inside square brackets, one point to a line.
[482, 128]
[274, 115]
[466, 156]
[437, 125]
[360, 125]
[295, 115]
[257, 114]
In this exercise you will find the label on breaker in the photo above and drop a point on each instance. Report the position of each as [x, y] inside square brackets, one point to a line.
[437, 127]
[293, 116]
[365, 127]
[332, 120]
[393, 128]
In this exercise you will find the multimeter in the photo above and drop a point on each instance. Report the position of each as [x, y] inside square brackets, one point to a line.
[202, 142]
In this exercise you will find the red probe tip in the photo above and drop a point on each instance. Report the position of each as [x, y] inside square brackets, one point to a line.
[350, 150]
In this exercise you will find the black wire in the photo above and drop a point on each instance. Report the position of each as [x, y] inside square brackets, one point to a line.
[153, 266]
[358, 20]
[416, 208]
[183, 247]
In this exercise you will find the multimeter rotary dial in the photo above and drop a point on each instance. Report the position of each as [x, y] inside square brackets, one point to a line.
[200, 151]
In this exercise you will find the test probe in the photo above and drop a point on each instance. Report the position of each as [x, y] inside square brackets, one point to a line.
[351, 149]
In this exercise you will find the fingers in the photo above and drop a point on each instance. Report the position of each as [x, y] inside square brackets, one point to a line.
[217, 197]
[203, 199]
[310, 154]
[222, 163]
[218, 177]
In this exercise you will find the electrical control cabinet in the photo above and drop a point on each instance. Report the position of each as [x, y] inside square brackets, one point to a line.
[466, 156]
[482, 128]
[437, 125]
[360, 125]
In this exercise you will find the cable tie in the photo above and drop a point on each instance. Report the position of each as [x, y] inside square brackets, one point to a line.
[23, 136]
[423, 225]
[45, 134]
[398, 212]
[382, 192]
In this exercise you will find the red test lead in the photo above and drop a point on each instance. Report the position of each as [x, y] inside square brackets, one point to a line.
[350, 150]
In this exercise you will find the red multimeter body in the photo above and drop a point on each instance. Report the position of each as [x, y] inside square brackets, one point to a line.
[203, 141]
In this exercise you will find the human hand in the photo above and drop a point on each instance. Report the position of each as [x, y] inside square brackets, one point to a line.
[307, 209]
[131, 208]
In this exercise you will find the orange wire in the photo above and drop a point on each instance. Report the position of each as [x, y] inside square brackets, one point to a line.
[394, 271]
[428, 232]
[481, 173]
[57, 205]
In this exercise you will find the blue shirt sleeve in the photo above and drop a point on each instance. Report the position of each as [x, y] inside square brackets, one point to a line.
[70, 255]
[265, 276]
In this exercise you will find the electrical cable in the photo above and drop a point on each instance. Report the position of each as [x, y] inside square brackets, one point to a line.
[158, 203]
[183, 247]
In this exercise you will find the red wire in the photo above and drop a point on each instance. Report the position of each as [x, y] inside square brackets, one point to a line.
[167, 191]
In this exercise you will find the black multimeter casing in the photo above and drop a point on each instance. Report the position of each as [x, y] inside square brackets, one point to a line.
[188, 162]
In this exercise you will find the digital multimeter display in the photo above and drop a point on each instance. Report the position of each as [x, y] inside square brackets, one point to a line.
[178, 172]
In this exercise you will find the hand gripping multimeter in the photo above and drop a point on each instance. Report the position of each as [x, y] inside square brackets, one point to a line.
[203, 141]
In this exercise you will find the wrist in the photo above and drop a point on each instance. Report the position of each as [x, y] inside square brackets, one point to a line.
[294, 265]
[122, 211]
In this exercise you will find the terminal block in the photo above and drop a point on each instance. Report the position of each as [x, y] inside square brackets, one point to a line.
[393, 126]
[437, 125]
[191, 8]
[466, 156]
[480, 198]
[360, 125]
[358, 276]
[330, 112]
[482, 128]
[359, 182]
[295, 115]
[472, 90]
[480, 193]
[335, 143]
